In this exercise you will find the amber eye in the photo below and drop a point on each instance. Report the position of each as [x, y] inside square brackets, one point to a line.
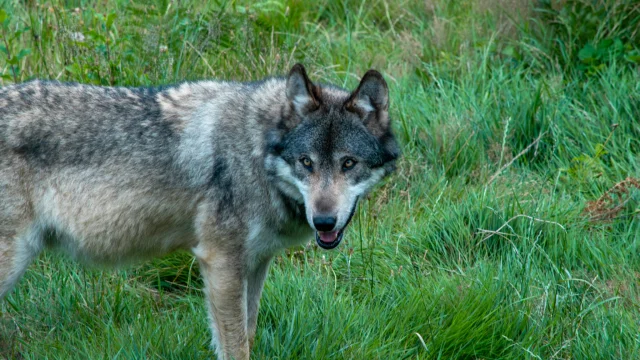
[306, 162]
[348, 164]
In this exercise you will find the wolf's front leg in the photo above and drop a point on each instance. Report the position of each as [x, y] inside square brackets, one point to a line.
[256, 278]
[225, 282]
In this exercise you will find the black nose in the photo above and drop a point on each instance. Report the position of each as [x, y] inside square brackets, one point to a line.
[324, 223]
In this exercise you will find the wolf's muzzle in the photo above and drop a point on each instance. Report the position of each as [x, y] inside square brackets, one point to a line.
[330, 239]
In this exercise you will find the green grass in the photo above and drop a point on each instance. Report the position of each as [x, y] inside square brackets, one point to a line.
[486, 243]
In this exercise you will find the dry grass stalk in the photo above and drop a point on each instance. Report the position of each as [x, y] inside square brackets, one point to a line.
[612, 202]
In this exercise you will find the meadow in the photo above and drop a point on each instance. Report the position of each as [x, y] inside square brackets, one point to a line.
[509, 231]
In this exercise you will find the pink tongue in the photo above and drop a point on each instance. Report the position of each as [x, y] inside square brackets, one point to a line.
[328, 236]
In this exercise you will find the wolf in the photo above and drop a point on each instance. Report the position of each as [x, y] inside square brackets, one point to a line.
[232, 171]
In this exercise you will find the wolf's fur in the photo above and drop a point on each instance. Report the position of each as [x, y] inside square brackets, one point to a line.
[232, 171]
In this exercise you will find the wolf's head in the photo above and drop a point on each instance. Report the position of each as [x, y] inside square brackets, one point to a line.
[331, 148]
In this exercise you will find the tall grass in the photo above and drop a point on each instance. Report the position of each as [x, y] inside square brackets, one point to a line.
[503, 235]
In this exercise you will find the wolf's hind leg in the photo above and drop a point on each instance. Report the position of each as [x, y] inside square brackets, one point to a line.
[16, 253]
[20, 237]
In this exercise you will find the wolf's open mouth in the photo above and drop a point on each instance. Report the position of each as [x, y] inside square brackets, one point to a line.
[330, 239]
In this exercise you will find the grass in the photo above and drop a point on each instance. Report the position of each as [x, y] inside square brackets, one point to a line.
[489, 242]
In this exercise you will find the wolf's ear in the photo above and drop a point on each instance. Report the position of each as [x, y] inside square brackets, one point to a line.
[371, 101]
[301, 93]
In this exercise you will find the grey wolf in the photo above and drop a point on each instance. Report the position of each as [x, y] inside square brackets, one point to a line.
[233, 172]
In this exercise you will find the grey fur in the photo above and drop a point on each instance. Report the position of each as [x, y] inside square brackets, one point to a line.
[114, 175]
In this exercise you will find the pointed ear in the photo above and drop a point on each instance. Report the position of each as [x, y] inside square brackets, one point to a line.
[371, 101]
[301, 93]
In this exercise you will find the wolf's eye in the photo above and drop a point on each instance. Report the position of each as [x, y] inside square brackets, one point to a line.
[348, 164]
[307, 163]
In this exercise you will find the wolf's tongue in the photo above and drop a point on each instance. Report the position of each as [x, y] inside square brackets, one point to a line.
[327, 236]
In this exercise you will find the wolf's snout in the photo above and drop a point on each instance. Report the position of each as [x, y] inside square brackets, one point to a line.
[324, 223]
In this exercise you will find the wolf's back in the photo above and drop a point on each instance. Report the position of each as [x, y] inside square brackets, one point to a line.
[55, 124]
